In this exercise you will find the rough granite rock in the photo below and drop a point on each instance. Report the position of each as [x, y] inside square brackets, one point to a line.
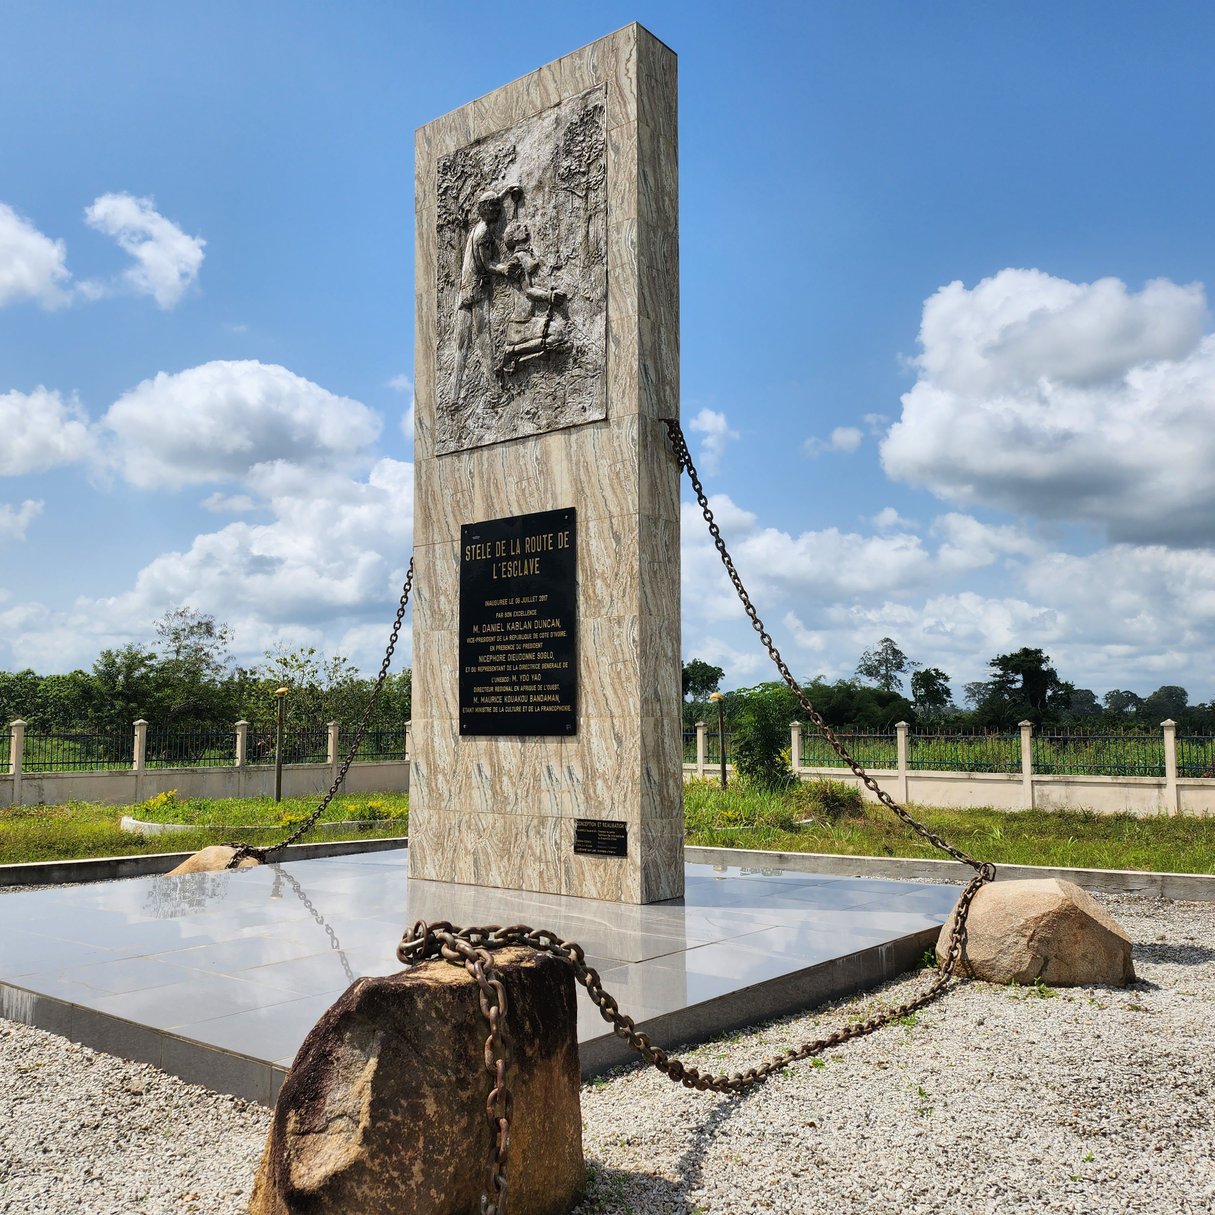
[384, 1108]
[212, 860]
[1041, 928]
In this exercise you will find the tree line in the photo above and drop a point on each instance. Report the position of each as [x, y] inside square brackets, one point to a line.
[184, 679]
[888, 687]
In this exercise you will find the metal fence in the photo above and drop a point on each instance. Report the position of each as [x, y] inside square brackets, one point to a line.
[301, 744]
[872, 750]
[388, 742]
[959, 751]
[1196, 755]
[67, 750]
[1078, 753]
[713, 745]
[77, 751]
[169, 748]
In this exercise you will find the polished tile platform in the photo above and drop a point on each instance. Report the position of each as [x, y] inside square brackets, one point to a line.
[218, 977]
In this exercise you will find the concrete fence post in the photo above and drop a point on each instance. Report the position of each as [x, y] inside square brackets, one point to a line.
[795, 748]
[900, 743]
[140, 750]
[242, 743]
[1027, 762]
[16, 751]
[331, 754]
[1172, 796]
[700, 750]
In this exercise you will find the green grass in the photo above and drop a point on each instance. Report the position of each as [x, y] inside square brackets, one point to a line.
[84, 829]
[821, 816]
[742, 818]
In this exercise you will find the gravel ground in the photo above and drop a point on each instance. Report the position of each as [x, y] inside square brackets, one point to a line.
[994, 1099]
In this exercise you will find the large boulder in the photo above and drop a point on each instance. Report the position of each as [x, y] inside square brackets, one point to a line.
[1041, 929]
[212, 860]
[384, 1108]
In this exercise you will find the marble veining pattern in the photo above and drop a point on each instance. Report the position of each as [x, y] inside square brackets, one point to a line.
[618, 472]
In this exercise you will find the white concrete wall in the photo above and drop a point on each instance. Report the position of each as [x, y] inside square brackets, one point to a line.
[130, 787]
[1103, 794]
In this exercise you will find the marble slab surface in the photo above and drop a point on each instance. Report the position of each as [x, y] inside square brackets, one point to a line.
[218, 977]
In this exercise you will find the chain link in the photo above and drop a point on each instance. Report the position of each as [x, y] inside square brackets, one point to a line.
[260, 854]
[675, 431]
[474, 949]
[300, 893]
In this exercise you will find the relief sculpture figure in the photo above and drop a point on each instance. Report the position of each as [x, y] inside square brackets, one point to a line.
[474, 311]
[521, 278]
[531, 332]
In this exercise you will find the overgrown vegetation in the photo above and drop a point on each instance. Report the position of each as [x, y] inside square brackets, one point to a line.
[184, 681]
[818, 816]
[1022, 685]
[809, 819]
[84, 829]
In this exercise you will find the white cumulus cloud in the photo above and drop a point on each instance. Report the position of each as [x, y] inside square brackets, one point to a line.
[32, 265]
[167, 260]
[1078, 401]
[842, 438]
[14, 520]
[38, 430]
[225, 418]
[717, 433]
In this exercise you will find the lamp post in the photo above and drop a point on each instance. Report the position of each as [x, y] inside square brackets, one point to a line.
[721, 732]
[281, 696]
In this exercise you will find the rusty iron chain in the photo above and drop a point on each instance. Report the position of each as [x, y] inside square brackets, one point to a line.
[321, 922]
[260, 854]
[468, 951]
[679, 443]
[474, 949]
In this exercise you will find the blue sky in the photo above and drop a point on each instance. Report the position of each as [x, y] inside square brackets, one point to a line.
[947, 351]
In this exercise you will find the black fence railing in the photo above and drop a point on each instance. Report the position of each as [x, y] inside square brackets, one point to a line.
[975, 751]
[77, 751]
[301, 744]
[69, 750]
[1079, 753]
[169, 748]
[1196, 756]
[870, 750]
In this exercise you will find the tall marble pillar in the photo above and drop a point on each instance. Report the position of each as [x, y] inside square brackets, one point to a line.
[546, 712]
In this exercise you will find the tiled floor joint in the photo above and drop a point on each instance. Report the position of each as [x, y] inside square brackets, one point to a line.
[218, 977]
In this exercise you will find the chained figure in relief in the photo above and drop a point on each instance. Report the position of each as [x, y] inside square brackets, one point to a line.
[531, 332]
[474, 312]
[528, 334]
[521, 279]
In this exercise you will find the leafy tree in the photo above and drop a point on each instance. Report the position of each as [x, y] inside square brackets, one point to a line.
[848, 702]
[193, 637]
[1165, 702]
[63, 700]
[1117, 701]
[930, 691]
[1082, 705]
[194, 689]
[1024, 686]
[760, 735]
[20, 693]
[975, 692]
[699, 679]
[886, 665]
[124, 688]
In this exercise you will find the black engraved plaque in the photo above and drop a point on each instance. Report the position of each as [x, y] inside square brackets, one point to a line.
[601, 837]
[518, 625]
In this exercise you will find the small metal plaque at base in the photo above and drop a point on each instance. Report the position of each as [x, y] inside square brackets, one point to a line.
[600, 837]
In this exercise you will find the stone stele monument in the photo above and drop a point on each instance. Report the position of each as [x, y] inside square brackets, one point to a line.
[546, 723]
